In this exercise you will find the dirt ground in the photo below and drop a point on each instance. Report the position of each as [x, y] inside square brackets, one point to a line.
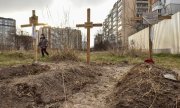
[145, 86]
[77, 85]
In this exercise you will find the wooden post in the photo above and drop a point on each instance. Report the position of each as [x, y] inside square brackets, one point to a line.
[88, 36]
[49, 37]
[36, 46]
[33, 22]
[150, 28]
[88, 25]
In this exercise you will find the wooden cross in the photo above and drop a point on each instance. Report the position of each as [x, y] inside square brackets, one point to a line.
[88, 25]
[33, 22]
[150, 27]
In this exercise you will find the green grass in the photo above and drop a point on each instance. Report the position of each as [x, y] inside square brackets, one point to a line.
[15, 58]
[106, 57]
[168, 60]
[164, 60]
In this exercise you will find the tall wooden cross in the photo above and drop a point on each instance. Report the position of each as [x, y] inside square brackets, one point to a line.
[88, 25]
[33, 22]
[150, 28]
[150, 2]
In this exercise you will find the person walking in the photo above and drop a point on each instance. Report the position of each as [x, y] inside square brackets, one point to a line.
[43, 44]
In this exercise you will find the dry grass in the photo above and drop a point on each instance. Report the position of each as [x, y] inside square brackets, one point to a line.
[145, 87]
[15, 58]
[165, 60]
[108, 57]
[66, 55]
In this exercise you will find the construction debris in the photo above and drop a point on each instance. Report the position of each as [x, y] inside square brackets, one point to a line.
[170, 77]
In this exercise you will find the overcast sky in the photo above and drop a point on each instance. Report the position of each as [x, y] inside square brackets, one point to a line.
[53, 12]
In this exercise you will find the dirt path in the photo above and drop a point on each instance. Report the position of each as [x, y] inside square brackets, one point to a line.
[94, 95]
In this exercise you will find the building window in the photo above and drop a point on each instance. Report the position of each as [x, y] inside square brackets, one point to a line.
[159, 11]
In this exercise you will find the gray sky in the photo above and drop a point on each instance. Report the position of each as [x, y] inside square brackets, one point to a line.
[53, 11]
[87, 2]
[22, 5]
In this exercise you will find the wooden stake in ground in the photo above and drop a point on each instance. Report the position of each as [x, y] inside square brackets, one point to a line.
[33, 22]
[150, 28]
[88, 25]
[150, 24]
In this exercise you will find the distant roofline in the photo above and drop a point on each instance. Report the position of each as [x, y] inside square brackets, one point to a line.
[7, 18]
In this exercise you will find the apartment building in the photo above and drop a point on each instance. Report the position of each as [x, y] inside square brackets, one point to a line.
[60, 38]
[108, 28]
[166, 7]
[7, 30]
[119, 24]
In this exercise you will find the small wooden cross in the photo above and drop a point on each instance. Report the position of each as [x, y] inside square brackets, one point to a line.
[33, 22]
[88, 25]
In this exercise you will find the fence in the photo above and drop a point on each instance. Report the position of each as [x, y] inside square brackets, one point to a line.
[17, 43]
[165, 36]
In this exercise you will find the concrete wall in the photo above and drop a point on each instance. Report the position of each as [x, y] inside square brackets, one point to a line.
[165, 36]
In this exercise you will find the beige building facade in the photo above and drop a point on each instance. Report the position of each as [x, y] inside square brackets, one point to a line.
[119, 24]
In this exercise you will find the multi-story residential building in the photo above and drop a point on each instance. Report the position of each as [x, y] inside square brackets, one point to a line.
[7, 32]
[166, 7]
[141, 7]
[60, 38]
[108, 28]
[119, 24]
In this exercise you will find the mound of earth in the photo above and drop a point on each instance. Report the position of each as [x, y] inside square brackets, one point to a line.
[145, 86]
[43, 88]
[21, 71]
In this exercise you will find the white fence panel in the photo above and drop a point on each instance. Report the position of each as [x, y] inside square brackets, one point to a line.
[166, 37]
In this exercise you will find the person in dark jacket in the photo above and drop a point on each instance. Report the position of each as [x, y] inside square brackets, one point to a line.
[43, 44]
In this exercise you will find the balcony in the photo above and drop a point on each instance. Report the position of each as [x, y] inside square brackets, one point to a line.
[142, 1]
[142, 7]
[157, 5]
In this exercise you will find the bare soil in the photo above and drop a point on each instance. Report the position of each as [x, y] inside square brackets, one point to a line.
[144, 86]
[42, 89]
[77, 85]
[21, 71]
